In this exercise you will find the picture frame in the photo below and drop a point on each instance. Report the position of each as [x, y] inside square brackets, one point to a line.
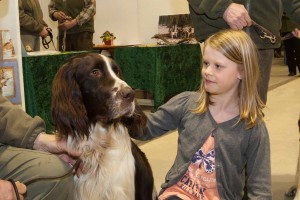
[7, 50]
[176, 29]
[9, 81]
[9, 71]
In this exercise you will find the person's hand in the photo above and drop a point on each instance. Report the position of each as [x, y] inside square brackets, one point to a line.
[52, 144]
[60, 16]
[237, 17]
[68, 24]
[7, 191]
[296, 33]
[44, 32]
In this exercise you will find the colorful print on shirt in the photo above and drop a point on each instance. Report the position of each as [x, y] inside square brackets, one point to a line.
[199, 181]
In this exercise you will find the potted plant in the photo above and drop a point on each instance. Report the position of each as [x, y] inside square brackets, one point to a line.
[108, 38]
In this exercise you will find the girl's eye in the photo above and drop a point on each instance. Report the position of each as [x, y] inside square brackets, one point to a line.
[205, 64]
[96, 73]
[219, 67]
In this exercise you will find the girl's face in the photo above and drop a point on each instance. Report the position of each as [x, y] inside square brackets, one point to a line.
[221, 76]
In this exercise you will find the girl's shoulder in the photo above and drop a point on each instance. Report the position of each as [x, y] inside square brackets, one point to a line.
[181, 103]
[187, 97]
[259, 130]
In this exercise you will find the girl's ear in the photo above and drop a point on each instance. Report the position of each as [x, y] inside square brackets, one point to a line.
[241, 72]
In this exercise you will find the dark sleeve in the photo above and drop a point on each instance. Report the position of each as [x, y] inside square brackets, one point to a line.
[17, 128]
[212, 9]
[292, 9]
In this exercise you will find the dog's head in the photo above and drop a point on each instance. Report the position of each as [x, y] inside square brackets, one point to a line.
[88, 89]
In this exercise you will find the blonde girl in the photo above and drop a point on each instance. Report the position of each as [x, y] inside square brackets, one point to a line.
[221, 131]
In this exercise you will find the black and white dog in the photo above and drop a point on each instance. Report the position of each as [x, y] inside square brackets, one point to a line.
[89, 104]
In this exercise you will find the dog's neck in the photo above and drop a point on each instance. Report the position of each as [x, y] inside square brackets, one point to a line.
[102, 136]
[104, 153]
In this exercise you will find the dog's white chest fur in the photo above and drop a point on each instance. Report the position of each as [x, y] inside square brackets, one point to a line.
[109, 166]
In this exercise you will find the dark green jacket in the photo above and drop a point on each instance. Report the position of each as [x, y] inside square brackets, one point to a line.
[31, 17]
[17, 128]
[207, 16]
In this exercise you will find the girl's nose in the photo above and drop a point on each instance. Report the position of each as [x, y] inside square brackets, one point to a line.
[207, 70]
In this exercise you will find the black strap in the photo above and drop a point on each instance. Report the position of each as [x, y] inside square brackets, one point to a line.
[15, 188]
[44, 39]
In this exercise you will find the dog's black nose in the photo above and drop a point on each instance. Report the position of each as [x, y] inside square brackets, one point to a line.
[127, 93]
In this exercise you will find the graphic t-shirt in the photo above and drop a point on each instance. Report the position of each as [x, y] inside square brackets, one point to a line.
[199, 181]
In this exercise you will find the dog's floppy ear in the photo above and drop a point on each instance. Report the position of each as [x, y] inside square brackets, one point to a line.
[68, 111]
[136, 123]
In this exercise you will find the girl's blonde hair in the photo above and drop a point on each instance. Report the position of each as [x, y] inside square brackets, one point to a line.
[238, 47]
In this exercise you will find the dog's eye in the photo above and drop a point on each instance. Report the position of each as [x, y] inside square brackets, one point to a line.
[96, 73]
[117, 72]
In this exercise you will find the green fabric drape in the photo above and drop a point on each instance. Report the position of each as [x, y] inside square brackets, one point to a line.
[164, 71]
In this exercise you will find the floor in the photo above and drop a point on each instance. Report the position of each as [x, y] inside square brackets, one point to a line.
[282, 113]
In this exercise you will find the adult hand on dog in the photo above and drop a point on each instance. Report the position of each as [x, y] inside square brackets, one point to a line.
[7, 191]
[52, 144]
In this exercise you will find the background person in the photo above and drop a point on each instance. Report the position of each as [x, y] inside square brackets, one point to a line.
[75, 23]
[210, 17]
[32, 25]
[291, 46]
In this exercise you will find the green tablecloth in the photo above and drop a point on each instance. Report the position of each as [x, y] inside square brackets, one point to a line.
[164, 71]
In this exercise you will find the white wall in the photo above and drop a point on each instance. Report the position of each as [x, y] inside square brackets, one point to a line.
[131, 21]
[149, 12]
[9, 20]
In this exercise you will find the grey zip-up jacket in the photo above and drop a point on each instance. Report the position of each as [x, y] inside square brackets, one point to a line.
[235, 147]
[207, 16]
[17, 128]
